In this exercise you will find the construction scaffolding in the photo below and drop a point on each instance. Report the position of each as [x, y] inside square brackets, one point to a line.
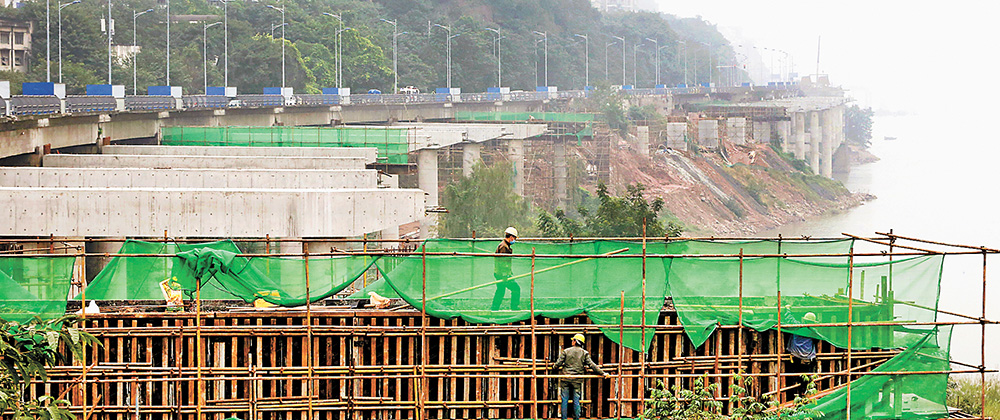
[222, 358]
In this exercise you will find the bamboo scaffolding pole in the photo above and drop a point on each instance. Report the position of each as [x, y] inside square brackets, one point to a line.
[198, 347]
[739, 330]
[525, 239]
[891, 235]
[642, 345]
[850, 327]
[982, 348]
[890, 244]
[534, 343]
[780, 339]
[621, 357]
[309, 332]
[424, 354]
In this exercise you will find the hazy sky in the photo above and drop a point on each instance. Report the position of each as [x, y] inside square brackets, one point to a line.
[896, 54]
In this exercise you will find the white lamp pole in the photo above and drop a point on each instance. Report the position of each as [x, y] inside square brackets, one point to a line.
[168, 42]
[624, 47]
[395, 50]
[204, 49]
[499, 37]
[59, 18]
[134, 52]
[545, 38]
[282, 10]
[340, 20]
[657, 58]
[586, 54]
[450, 36]
[606, 46]
[48, 44]
[109, 26]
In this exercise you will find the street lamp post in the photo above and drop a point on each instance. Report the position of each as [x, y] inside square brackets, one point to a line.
[545, 38]
[340, 20]
[168, 42]
[48, 44]
[282, 10]
[608, 45]
[624, 47]
[450, 36]
[499, 37]
[635, 65]
[679, 43]
[109, 25]
[395, 50]
[59, 18]
[586, 53]
[134, 51]
[225, 29]
[340, 72]
[657, 64]
[273, 27]
[204, 49]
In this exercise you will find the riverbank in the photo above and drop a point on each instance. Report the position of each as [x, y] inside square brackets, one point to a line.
[737, 190]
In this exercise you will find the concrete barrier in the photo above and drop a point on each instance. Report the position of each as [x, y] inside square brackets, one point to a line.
[205, 213]
[205, 162]
[28, 177]
[367, 153]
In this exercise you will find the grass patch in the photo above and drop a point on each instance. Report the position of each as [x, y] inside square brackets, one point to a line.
[735, 207]
[964, 393]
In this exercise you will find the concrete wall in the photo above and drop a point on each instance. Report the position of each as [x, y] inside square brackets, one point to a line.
[201, 213]
[736, 128]
[367, 153]
[762, 132]
[206, 162]
[28, 177]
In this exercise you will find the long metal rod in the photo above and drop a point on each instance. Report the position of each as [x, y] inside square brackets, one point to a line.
[850, 327]
[534, 343]
[424, 354]
[309, 332]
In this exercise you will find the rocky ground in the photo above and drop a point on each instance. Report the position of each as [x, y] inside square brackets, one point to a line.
[738, 190]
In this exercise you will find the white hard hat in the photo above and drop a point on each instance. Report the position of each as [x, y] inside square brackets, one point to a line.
[511, 231]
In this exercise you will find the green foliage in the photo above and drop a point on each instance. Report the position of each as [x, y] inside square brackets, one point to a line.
[965, 393]
[615, 216]
[27, 350]
[735, 207]
[484, 202]
[858, 125]
[254, 57]
[699, 402]
[609, 103]
[644, 113]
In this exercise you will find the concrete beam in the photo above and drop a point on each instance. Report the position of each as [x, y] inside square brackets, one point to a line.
[205, 213]
[28, 177]
[367, 153]
[206, 162]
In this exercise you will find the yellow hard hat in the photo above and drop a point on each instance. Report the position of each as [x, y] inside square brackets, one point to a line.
[809, 316]
[579, 338]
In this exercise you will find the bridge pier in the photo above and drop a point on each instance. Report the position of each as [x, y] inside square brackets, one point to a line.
[799, 134]
[471, 155]
[815, 138]
[826, 160]
[515, 152]
[427, 180]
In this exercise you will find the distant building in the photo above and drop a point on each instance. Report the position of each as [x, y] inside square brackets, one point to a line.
[614, 5]
[15, 45]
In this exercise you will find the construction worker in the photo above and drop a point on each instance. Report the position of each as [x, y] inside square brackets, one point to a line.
[502, 272]
[574, 362]
[802, 356]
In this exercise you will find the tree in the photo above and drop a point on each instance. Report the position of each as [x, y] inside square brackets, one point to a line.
[484, 203]
[27, 350]
[624, 216]
[858, 125]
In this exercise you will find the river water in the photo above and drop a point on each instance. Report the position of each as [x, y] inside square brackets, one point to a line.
[934, 182]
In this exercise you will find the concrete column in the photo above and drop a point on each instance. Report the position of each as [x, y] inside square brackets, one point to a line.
[470, 156]
[799, 134]
[762, 132]
[785, 131]
[515, 152]
[642, 135]
[391, 232]
[839, 127]
[559, 165]
[815, 138]
[826, 147]
[427, 180]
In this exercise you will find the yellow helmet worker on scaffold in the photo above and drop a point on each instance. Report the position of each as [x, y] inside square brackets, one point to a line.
[579, 338]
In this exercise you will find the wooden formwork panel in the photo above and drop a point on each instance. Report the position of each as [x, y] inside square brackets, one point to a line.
[369, 365]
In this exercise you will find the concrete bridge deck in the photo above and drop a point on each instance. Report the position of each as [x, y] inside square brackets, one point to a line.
[31, 177]
[367, 153]
[204, 162]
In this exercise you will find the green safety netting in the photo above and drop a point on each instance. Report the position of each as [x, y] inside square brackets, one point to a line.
[32, 287]
[392, 143]
[899, 396]
[223, 275]
[706, 293]
[524, 116]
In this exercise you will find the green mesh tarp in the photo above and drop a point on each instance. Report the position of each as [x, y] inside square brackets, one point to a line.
[900, 396]
[524, 116]
[32, 287]
[706, 293]
[223, 275]
[392, 143]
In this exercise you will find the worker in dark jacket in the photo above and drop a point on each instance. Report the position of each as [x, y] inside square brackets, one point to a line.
[574, 362]
[502, 272]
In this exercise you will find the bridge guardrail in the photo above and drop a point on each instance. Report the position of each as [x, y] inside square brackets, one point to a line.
[205, 101]
[82, 104]
[35, 105]
[254, 101]
[149, 103]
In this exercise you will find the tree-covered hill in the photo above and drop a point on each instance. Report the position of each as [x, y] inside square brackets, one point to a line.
[255, 57]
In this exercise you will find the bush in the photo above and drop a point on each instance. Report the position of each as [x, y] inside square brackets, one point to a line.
[735, 207]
